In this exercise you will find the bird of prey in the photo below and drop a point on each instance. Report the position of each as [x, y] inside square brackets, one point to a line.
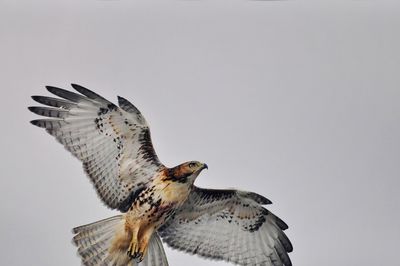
[157, 204]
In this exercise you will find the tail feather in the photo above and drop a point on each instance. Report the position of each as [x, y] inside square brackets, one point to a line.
[90, 251]
[93, 240]
[95, 245]
[92, 227]
[155, 254]
[87, 240]
[96, 259]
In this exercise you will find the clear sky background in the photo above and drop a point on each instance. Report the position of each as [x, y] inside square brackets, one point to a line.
[296, 100]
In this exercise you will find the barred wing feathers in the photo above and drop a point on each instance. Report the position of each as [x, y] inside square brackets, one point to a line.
[112, 142]
[229, 225]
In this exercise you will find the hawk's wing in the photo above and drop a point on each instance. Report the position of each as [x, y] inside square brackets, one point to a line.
[112, 142]
[229, 225]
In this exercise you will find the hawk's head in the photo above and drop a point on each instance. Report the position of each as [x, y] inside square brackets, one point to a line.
[186, 172]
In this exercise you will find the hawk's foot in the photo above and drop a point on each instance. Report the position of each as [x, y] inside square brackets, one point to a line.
[139, 257]
[134, 251]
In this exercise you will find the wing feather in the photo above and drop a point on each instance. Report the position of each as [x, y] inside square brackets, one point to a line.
[68, 95]
[54, 102]
[127, 106]
[91, 95]
[49, 112]
[229, 225]
[113, 143]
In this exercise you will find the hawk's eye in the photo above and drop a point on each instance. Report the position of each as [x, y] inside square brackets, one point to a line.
[192, 165]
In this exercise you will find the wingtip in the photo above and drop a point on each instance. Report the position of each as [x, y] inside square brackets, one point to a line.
[51, 88]
[263, 200]
[120, 98]
[76, 86]
[267, 202]
[79, 88]
[34, 122]
[290, 249]
[75, 230]
[282, 225]
[259, 198]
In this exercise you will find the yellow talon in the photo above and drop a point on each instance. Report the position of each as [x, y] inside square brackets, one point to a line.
[133, 250]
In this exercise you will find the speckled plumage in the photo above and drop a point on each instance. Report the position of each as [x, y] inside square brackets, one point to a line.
[115, 148]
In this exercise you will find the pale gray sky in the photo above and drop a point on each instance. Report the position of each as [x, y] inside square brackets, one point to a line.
[296, 100]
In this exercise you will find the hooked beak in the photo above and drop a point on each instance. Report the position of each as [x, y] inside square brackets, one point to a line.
[205, 166]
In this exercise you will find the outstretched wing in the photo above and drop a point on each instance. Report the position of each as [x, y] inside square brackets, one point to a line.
[112, 142]
[229, 225]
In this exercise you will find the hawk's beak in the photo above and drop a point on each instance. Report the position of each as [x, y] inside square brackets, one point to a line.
[205, 166]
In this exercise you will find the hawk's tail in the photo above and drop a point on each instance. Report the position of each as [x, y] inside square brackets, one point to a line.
[97, 246]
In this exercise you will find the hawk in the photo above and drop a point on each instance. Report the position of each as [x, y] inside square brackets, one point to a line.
[156, 202]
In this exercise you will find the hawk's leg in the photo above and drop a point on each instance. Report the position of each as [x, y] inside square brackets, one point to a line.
[133, 250]
[144, 239]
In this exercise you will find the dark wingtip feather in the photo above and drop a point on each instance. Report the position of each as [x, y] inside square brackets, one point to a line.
[52, 88]
[74, 85]
[74, 97]
[259, 198]
[75, 230]
[55, 90]
[284, 257]
[54, 102]
[36, 123]
[74, 242]
[282, 225]
[88, 93]
[93, 96]
[121, 100]
[288, 245]
[127, 106]
[48, 124]
[34, 109]
[48, 112]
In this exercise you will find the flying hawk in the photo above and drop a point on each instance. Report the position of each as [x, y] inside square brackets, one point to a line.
[114, 145]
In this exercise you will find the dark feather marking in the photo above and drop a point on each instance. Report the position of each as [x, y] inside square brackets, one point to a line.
[110, 107]
[285, 242]
[49, 112]
[259, 222]
[282, 225]
[258, 198]
[49, 124]
[66, 94]
[54, 102]
[127, 106]
[216, 194]
[127, 203]
[146, 147]
[91, 95]
[176, 176]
